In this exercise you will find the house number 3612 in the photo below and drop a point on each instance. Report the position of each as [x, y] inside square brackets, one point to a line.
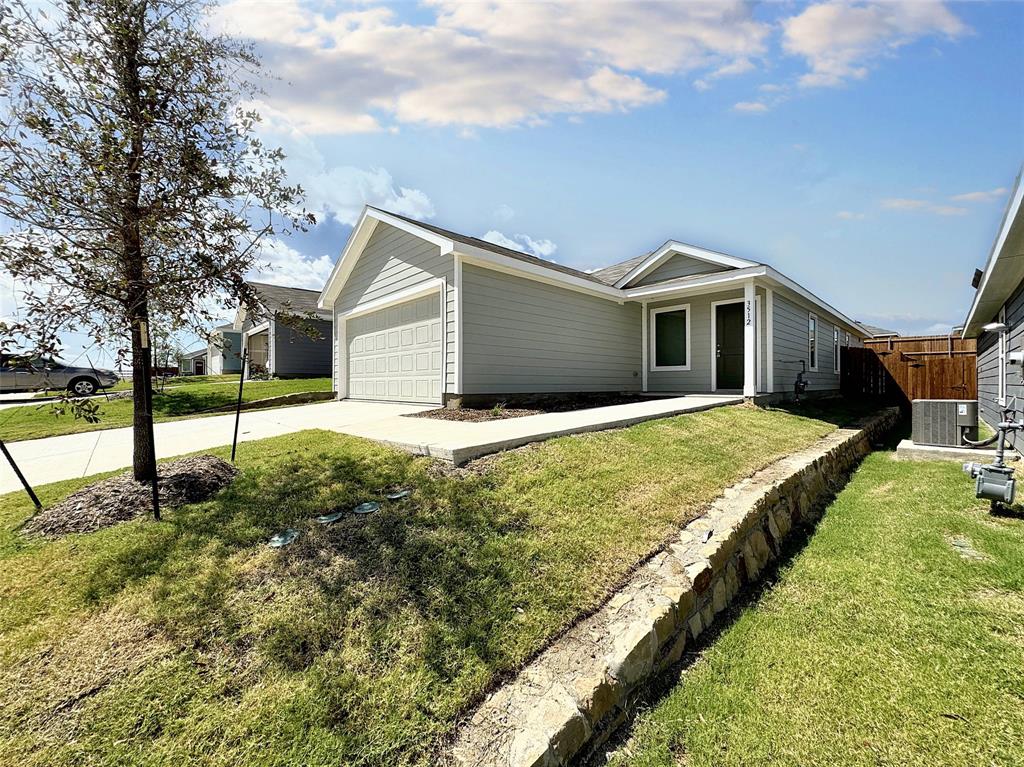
[750, 316]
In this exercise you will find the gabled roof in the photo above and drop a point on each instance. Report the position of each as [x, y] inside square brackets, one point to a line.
[276, 298]
[671, 248]
[1004, 270]
[610, 283]
[194, 354]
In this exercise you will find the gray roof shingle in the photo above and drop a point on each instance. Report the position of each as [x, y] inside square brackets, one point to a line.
[276, 298]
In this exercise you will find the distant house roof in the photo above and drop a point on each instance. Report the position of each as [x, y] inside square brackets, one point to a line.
[877, 332]
[276, 298]
[195, 353]
[228, 328]
[1004, 270]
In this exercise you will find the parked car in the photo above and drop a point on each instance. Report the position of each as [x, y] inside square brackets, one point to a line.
[18, 373]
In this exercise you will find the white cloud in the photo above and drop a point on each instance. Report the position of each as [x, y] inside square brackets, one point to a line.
[750, 107]
[283, 265]
[993, 194]
[489, 64]
[523, 243]
[849, 215]
[504, 212]
[925, 206]
[840, 40]
[339, 191]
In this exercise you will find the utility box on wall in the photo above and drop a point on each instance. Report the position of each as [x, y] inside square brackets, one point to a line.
[944, 422]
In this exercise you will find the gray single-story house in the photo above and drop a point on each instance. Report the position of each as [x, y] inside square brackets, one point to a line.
[193, 363]
[225, 350]
[996, 317]
[426, 315]
[291, 338]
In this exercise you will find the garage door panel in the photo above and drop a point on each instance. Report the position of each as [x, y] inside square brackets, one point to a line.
[395, 353]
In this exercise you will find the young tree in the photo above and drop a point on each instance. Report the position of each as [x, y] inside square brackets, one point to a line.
[137, 187]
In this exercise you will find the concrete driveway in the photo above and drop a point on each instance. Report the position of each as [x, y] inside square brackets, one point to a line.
[78, 455]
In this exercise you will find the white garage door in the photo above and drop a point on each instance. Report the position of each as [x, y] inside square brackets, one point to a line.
[395, 354]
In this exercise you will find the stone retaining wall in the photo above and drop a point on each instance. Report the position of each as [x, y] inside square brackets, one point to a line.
[569, 700]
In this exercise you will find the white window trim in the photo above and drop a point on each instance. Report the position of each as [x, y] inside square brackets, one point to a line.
[1002, 358]
[817, 346]
[653, 333]
[757, 342]
[836, 346]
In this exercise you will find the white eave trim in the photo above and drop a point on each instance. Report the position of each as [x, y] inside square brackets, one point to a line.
[672, 248]
[364, 227]
[1012, 212]
[256, 329]
[780, 279]
[695, 283]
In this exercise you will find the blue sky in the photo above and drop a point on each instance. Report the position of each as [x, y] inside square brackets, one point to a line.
[864, 149]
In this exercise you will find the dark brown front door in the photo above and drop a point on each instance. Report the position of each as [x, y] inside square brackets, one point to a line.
[729, 346]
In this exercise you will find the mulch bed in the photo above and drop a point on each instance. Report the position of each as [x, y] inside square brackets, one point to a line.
[120, 498]
[535, 407]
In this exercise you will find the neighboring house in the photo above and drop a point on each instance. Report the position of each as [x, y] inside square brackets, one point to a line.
[422, 314]
[999, 301]
[193, 363]
[291, 338]
[876, 332]
[225, 350]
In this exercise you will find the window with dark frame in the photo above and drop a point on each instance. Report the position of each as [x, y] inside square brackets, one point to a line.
[670, 338]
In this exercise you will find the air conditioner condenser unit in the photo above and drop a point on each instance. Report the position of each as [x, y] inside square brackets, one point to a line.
[944, 422]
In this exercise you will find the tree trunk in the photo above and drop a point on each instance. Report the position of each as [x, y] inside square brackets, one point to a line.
[144, 455]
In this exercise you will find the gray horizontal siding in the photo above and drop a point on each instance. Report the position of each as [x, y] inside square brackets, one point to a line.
[394, 260]
[524, 337]
[791, 345]
[296, 354]
[988, 360]
[678, 266]
[698, 377]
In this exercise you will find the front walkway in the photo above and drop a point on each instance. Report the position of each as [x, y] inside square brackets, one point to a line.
[78, 455]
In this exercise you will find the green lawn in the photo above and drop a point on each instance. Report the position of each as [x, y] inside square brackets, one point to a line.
[878, 645]
[182, 397]
[190, 642]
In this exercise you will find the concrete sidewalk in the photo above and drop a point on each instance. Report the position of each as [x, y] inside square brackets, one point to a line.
[78, 455]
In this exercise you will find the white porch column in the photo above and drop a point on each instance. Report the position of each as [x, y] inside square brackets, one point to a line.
[749, 341]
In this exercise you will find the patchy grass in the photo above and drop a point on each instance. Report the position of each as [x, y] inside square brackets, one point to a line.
[190, 641]
[880, 643]
[179, 400]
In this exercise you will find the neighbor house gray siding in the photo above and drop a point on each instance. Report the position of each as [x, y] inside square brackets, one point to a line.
[394, 260]
[297, 354]
[231, 350]
[525, 337]
[678, 266]
[988, 360]
[791, 345]
[698, 377]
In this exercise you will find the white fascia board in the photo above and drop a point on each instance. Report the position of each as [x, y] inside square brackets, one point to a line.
[672, 248]
[364, 227]
[782, 280]
[499, 263]
[975, 319]
[689, 285]
[257, 329]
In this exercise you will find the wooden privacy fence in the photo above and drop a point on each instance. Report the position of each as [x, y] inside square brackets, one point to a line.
[914, 367]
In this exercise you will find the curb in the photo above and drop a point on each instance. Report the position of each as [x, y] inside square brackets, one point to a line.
[574, 694]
